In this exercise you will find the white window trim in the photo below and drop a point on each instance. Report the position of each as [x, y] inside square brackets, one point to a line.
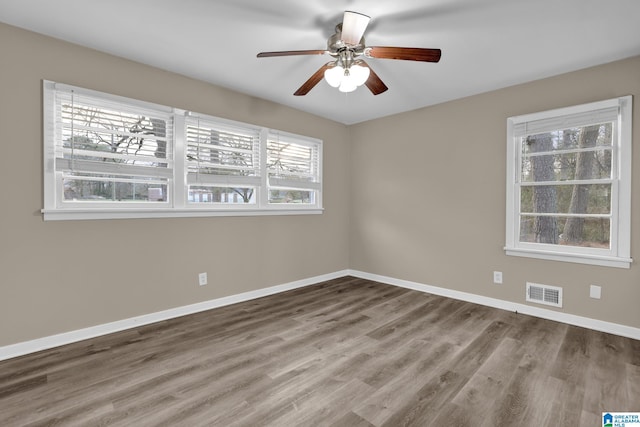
[177, 206]
[620, 253]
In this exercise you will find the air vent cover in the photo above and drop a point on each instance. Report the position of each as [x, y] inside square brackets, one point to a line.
[544, 294]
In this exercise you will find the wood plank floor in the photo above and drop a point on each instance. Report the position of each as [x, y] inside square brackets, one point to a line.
[347, 352]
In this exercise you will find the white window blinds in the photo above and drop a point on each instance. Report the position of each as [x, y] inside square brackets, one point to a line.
[293, 162]
[595, 113]
[107, 156]
[221, 153]
[96, 136]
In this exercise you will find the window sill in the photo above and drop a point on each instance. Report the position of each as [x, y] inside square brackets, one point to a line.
[88, 214]
[605, 261]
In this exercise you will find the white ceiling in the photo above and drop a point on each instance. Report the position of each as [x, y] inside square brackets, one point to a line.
[486, 44]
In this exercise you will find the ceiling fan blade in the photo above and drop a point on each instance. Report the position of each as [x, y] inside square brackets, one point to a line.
[291, 53]
[374, 83]
[406, 53]
[313, 80]
[353, 26]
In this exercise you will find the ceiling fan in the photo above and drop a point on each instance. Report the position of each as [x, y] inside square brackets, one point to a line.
[348, 71]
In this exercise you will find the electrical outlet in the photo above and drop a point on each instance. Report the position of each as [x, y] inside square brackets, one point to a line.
[497, 277]
[595, 292]
[202, 279]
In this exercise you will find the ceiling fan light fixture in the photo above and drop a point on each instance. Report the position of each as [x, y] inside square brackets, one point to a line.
[334, 75]
[346, 79]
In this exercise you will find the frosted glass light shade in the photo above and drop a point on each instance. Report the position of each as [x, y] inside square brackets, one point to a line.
[347, 85]
[334, 76]
[359, 74]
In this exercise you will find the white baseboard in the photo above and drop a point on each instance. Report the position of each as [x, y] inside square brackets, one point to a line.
[585, 322]
[27, 347]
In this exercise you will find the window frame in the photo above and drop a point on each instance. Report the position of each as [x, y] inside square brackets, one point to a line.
[619, 253]
[177, 204]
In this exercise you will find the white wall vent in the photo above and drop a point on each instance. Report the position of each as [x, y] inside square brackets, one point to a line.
[544, 294]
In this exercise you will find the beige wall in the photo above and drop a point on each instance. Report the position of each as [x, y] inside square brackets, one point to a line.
[428, 196]
[424, 201]
[62, 276]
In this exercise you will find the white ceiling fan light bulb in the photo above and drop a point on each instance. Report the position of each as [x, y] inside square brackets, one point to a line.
[359, 74]
[334, 75]
[353, 26]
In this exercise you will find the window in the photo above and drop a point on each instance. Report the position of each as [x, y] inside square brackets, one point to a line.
[293, 166]
[114, 157]
[569, 184]
[223, 163]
